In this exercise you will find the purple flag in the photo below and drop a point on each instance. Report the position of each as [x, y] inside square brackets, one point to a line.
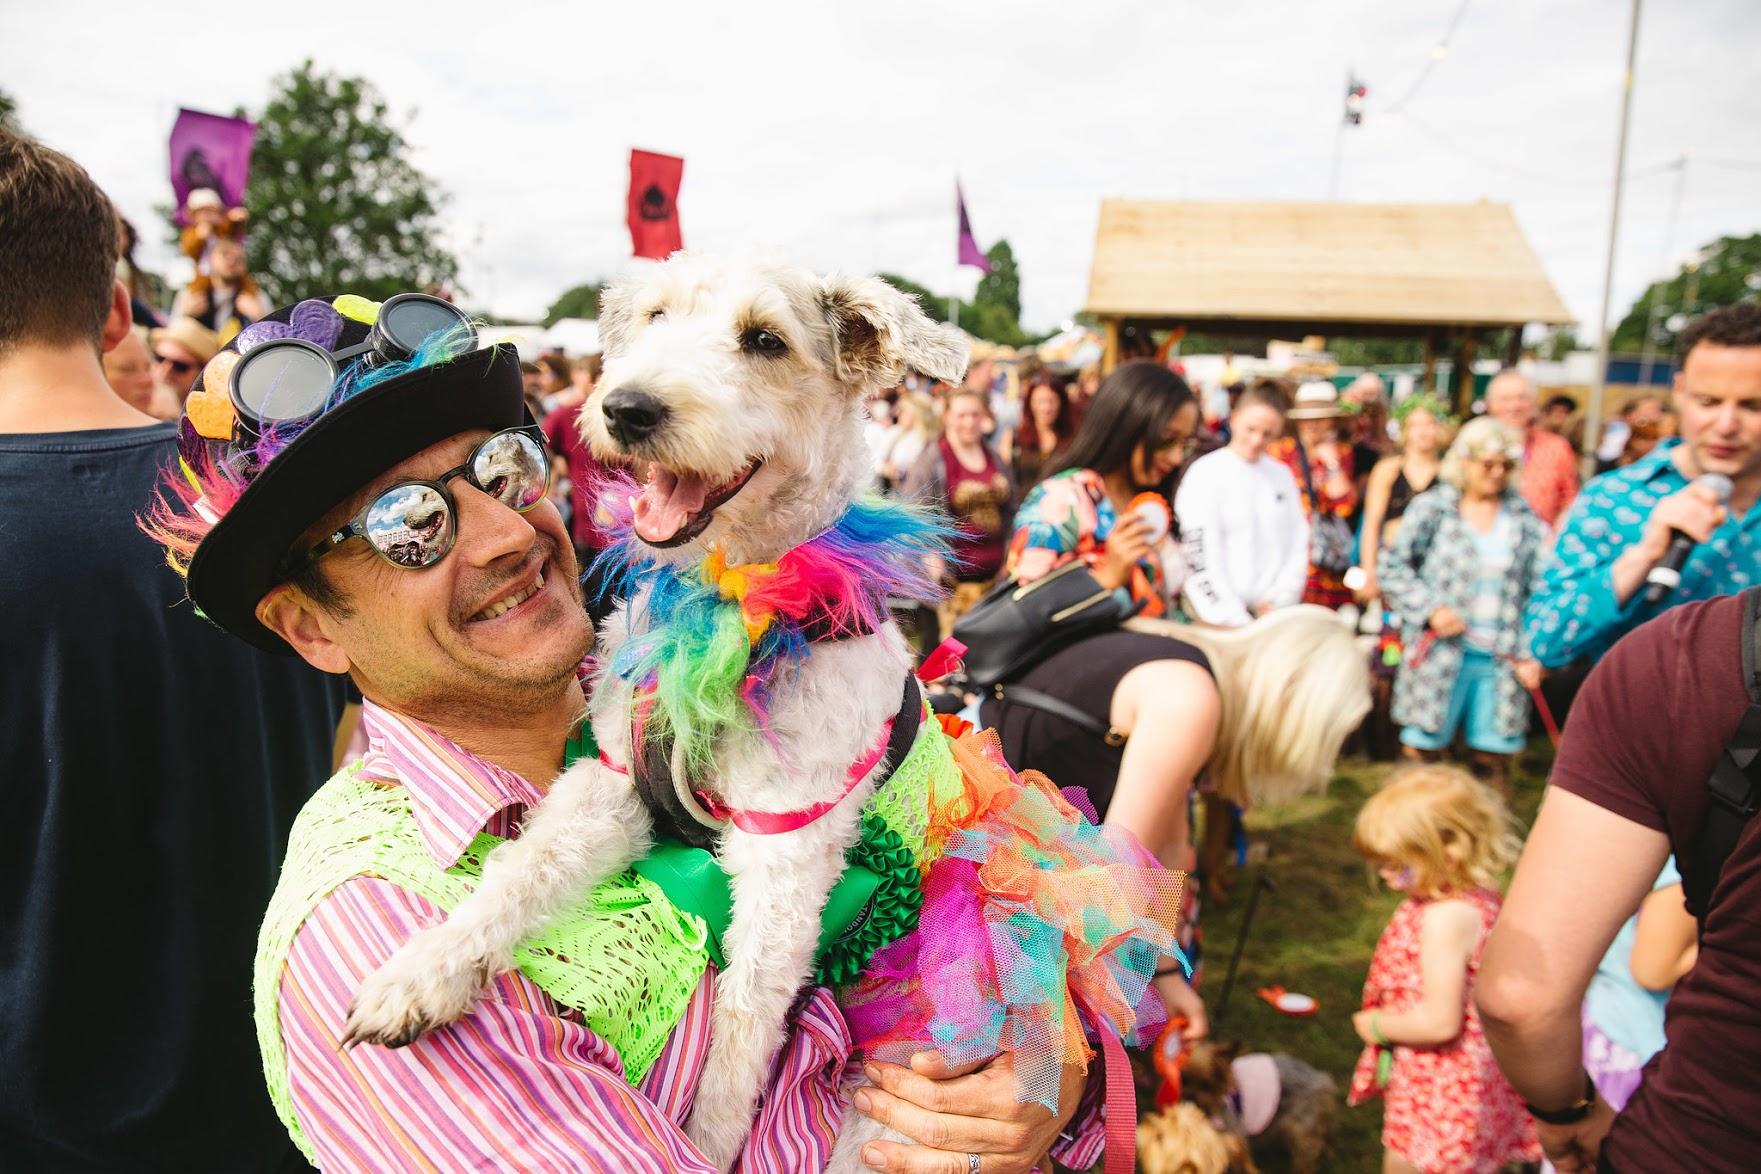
[210, 151]
[970, 253]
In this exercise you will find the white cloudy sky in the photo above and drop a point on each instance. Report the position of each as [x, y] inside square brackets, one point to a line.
[831, 132]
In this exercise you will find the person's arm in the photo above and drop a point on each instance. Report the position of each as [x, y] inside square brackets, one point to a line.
[1293, 574]
[1446, 944]
[1048, 529]
[1198, 504]
[512, 1085]
[1582, 873]
[1667, 942]
[1404, 589]
[926, 480]
[1377, 491]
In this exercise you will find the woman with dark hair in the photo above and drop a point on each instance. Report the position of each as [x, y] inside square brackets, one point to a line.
[1134, 715]
[1047, 424]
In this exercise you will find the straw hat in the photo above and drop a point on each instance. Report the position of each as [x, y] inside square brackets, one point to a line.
[1317, 400]
[189, 334]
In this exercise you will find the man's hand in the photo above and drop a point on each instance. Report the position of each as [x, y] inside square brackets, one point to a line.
[956, 1112]
[1127, 543]
[1573, 1149]
[1446, 623]
[1694, 511]
[1528, 674]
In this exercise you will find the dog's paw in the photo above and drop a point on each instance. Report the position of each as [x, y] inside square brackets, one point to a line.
[422, 986]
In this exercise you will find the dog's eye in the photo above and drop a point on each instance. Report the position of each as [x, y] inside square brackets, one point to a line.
[656, 314]
[762, 342]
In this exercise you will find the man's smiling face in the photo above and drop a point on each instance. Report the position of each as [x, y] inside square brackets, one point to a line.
[443, 640]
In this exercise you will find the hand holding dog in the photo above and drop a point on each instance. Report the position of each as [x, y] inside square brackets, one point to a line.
[956, 1112]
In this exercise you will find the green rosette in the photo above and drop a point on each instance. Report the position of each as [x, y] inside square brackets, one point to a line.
[890, 911]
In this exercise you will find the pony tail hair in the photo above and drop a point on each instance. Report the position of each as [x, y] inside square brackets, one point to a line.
[1293, 685]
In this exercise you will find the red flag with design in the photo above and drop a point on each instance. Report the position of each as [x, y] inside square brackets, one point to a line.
[654, 204]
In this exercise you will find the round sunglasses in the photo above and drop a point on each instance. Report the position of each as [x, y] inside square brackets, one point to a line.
[413, 524]
[287, 380]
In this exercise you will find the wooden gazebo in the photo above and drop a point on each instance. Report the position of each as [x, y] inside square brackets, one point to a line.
[1442, 273]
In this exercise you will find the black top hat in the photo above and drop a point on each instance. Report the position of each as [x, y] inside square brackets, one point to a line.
[241, 559]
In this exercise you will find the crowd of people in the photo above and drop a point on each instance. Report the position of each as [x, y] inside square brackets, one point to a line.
[1316, 561]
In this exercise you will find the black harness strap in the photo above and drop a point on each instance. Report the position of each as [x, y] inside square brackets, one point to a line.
[1735, 783]
[677, 812]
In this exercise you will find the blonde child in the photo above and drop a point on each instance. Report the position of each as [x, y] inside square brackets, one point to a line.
[1442, 838]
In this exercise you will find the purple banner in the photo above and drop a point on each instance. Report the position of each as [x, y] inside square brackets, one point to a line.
[210, 151]
[970, 253]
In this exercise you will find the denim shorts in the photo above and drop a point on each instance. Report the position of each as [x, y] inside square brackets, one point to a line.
[1474, 701]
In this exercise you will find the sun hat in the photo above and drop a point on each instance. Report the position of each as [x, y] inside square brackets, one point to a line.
[235, 504]
[202, 198]
[1316, 400]
[189, 334]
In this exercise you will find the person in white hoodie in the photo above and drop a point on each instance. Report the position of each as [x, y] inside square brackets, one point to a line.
[1242, 527]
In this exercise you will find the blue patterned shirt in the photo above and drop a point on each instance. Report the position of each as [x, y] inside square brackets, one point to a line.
[1573, 612]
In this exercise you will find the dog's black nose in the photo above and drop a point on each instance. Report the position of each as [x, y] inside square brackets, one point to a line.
[632, 415]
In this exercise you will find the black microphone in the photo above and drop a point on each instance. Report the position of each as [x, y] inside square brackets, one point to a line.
[1666, 576]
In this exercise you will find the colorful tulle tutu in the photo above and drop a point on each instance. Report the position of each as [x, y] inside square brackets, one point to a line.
[1031, 912]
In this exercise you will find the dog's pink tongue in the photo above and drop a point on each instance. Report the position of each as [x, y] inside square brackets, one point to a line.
[667, 503]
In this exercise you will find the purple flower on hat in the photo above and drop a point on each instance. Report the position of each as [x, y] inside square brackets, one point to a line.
[311, 320]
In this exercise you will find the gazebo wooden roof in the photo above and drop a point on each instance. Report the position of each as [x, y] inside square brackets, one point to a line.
[1381, 270]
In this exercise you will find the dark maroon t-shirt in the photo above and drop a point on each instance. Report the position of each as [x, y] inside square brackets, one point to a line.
[1643, 736]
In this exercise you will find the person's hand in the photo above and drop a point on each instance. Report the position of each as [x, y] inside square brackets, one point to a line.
[1573, 1149]
[955, 1112]
[1183, 1003]
[938, 568]
[1446, 623]
[1128, 543]
[238, 215]
[1694, 511]
[1365, 1028]
[1368, 589]
[1528, 673]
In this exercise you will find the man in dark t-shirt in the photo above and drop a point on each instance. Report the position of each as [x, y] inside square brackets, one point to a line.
[1628, 788]
[153, 765]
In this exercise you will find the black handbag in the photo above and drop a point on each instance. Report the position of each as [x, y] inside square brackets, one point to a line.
[1016, 625]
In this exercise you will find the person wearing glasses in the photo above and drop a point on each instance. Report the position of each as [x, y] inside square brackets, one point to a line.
[153, 764]
[362, 486]
[180, 349]
[1459, 576]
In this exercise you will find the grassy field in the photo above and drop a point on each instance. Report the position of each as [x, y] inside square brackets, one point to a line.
[1315, 934]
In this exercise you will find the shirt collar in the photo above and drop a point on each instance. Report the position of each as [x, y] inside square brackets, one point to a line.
[454, 794]
[1659, 462]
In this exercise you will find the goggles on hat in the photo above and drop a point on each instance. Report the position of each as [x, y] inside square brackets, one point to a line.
[413, 524]
[288, 380]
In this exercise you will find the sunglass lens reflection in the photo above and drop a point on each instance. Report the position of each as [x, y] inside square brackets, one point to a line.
[411, 525]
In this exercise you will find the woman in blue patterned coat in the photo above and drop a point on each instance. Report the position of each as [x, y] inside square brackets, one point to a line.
[1459, 576]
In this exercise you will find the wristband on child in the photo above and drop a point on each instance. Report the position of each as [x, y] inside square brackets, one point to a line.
[1376, 1029]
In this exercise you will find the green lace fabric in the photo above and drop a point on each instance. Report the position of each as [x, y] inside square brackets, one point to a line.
[625, 958]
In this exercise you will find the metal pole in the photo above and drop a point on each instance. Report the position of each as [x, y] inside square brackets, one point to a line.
[1675, 207]
[1261, 883]
[1599, 380]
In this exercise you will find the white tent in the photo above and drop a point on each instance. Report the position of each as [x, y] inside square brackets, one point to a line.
[574, 336]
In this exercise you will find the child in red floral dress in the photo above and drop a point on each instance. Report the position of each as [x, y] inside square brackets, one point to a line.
[1441, 837]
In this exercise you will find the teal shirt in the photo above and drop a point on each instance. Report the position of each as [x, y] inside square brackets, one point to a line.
[1626, 1012]
[1572, 612]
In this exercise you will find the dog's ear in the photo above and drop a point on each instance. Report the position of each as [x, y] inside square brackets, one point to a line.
[614, 319]
[880, 330]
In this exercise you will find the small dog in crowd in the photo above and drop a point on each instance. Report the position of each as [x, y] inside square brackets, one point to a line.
[1181, 1140]
[1271, 1100]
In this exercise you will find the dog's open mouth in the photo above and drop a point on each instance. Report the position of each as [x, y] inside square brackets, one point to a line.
[675, 507]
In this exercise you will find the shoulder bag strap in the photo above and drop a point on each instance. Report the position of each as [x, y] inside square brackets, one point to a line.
[1046, 703]
[1735, 783]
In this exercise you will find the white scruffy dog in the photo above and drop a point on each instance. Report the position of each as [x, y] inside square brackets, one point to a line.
[738, 390]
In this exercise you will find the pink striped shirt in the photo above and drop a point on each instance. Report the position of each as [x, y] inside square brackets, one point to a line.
[520, 1083]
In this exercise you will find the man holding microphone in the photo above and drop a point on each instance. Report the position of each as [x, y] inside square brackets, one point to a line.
[1622, 526]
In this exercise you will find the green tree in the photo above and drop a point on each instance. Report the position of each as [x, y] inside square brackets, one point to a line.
[9, 114]
[336, 204]
[1002, 285]
[934, 304]
[1560, 342]
[582, 301]
[1724, 272]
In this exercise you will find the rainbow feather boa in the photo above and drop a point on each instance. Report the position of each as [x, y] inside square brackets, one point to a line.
[716, 634]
